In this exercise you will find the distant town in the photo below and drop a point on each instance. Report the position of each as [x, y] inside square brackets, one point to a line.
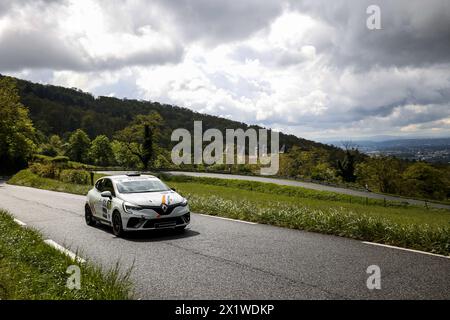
[433, 150]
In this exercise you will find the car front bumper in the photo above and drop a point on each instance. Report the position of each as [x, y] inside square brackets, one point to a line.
[136, 223]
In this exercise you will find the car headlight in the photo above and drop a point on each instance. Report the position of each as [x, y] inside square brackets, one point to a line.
[129, 207]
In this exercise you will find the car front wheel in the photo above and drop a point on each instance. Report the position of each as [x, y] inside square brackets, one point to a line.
[117, 224]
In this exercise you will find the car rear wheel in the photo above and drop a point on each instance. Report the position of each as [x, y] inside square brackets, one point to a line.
[117, 224]
[88, 217]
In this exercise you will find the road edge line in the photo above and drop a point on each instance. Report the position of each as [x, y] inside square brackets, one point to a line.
[223, 218]
[67, 252]
[406, 249]
[20, 223]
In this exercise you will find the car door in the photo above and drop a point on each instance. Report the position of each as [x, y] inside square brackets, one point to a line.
[106, 203]
[97, 199]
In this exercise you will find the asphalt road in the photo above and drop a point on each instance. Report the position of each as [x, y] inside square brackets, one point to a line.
[223, 259]
[309, 185]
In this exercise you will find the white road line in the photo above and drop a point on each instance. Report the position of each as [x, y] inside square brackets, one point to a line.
[64, 250]
[405, 249]
[23, 224]
[223, 218]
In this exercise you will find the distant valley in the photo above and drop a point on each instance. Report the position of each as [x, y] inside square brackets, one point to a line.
[435, 150]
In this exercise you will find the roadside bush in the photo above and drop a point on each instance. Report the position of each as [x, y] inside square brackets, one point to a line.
[75, 176]
[40, 158]
[163, 175]
[161, 162]
[45, 170]
[242, 168]
[324, 172]
[217, 167]
[49, 150]
[60, 160]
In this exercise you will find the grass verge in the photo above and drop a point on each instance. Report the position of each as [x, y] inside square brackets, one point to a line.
[294, 207]
[334, 220]
[404, 215]
[29, 179]
[30, 269]
[276, 189]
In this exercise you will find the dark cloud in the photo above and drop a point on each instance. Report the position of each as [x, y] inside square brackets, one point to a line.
[414, 32]
[8, 5]
[154, 56]
[4, 7]
[36, 49]
[218, 21]
[407, 115]
[30, 42]
[42, 46]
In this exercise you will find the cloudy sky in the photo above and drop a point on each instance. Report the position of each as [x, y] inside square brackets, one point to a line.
[311, 68]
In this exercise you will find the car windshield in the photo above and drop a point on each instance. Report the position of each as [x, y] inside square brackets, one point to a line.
[140, 186]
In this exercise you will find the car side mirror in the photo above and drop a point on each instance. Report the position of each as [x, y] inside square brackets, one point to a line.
[106, 194]
[173, 189]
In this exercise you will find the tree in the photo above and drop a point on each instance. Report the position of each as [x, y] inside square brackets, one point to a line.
[17, 133]
[162, 160]
[290, 162]
[141, 136]
[56, 143]
[312, 164]
[53, 147]
[423, 180]
[122, 155]
[381, 174]
[147, 145]
[100, 152]
[78, 146]
[346, 166]
[324, 172]
[309, 160]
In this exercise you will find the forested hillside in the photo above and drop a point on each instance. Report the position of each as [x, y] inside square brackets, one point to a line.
[59, 110]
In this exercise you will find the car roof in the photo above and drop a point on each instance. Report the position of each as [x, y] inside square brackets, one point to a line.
[130, 177]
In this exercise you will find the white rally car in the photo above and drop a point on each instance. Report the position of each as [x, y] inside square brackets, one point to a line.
[135, 202]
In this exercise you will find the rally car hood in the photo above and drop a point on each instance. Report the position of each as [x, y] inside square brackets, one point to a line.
[152, 198]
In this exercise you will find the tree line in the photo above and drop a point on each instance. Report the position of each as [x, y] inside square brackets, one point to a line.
[384, 174]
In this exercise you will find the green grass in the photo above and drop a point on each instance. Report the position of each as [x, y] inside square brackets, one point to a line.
[30, 269]
[29, 179]
[399, 214]
[272, 188]
[299, 208]
[336, 221]
[329, 195]
[325, 212]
